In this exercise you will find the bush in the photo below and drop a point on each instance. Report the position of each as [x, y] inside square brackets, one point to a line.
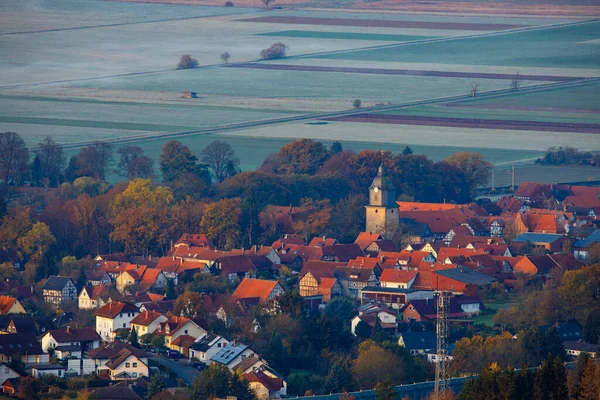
[357, 103]
[229, 4]
[187, 62]
[277, 50]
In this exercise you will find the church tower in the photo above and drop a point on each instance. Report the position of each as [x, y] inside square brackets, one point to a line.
[382, 211]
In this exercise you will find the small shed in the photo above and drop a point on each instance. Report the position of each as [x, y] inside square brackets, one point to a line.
[190, 95]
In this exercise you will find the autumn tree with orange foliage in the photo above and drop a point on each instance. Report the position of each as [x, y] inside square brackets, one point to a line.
[221, 223]
[318, 215]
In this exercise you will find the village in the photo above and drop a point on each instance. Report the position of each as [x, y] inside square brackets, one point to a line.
[142, 321]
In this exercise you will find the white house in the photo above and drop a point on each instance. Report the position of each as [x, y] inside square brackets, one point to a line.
[112, 316]
[41, 369]
[232, 354]
[147, 322]
[177, 326]
[399, 279]
[84, 338]
[91, 297]
[120, 361]
[24, 345]
[206, 347]
[59, 289]
[387, 319]
[7, 373]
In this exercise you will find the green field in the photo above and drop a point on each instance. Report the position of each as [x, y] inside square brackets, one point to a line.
[488, 317]
[585, 97]
[515, 115]
[346, 35]
[558, 47]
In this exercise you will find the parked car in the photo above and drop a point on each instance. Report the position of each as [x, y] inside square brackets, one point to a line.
[174, 354]
[202, 367]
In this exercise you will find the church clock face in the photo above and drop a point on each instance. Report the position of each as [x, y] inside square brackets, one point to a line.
[376, 189]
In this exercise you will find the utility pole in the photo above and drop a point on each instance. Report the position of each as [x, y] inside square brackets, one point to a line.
[441, 357]
[512, 184]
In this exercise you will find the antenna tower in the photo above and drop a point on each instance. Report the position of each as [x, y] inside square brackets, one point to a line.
[441, 359]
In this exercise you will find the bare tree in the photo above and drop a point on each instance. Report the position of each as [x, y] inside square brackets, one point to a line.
[225, 57]
[52, 161]
[277, 50]
[473, 89]
[13, 158]
[93, 160]
[134, 164]
[267, 3]
[357, 103]
[187, 62]
[221, 159]
[516, 82]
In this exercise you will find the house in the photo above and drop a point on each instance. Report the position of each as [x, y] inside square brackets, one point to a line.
[207, 346]
[353, 280]
[266, 387]
[176, 326]
[59, 339]
[235, 267]
[25, 323]
[115, 392]
[10, 255]
[145, 278]
[59, 290]
[92, 297]
[318, 278]
[456, 279]
[176, 269]
[10, 305]
[7, 373]
[24, 345]
[257, 291]
[194, 240]
[459, 308]
[120, 361]
[416, 232]
[97, 277]
[147, 322]
[38, 370]
[232, 354]
[583, 246]
[11, 386]
[364, 239]
[250, 364]
[387, 319]
[395, 298]
[392, 278]
[543, 265]
[418, 343]
[532, 192]
[574, 348]
[547, 241]
[112, 316]
[342, 252]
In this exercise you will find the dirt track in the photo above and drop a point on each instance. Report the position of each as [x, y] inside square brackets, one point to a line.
[385, 71]
[471, 123]
[372, 23]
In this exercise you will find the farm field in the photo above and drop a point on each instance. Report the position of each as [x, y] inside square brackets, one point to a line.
[547, 174]
[346, 36]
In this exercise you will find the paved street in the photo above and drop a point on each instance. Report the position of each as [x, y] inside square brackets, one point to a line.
[182, 370]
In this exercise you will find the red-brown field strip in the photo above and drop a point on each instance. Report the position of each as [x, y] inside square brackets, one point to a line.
[378, 23]
[383, 71]
[517, 108]
[471, 123]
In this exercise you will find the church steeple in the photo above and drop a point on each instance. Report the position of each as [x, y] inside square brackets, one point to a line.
[382, 211]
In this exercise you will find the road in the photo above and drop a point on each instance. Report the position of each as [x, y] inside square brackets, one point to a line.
[182, 370]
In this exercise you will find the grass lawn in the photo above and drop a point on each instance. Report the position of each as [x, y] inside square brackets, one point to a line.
[487, 318]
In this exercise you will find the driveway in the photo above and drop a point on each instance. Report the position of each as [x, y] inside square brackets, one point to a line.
[182, 370]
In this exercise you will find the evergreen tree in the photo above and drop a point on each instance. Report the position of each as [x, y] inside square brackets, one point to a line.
[363, 330]
[525, 383]
[133, 338]
[240, 388]
[170, 291]
[407, 150]
[385, 389]
[561, 391]
[589, 382]
[507, 384]
[155, 386]
[82, 280]
[340, 377]
[36, 171]
[591, 330]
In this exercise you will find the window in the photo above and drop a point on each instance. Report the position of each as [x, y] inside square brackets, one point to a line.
[123, 325]
[127, 365]
[134, 374]
[135, 365]
[186, 331]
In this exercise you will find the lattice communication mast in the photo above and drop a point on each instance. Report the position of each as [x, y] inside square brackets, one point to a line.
[441, 359]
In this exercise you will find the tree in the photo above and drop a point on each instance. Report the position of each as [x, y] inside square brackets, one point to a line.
[267, 3]
[318, 215]
[94, 160]
[82, 280]
[140, 216]
[372, 363]
[385, 389]
[340, 307]
[187, 62]
[363, 330]
[356, 103]
[340, 379]
[516, 82]
[133, 163]
[146, 339]
[155, 386]
[158, 342]
[591, 330]
[221, 222]
[37, 241]
[14, 156]
[133, 338]
[407, 150]
[221, 159]
[29, 388]
[240, 388]
[170, 290]
[277, 50]
[304, 156]
[189, 305]
[213, 381]
[589, 386]
[51, 160]
[225, 57]
[178, 160]
[477, 171]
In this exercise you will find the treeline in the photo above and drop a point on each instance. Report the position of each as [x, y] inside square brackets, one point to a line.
[550, 381]
[569, 156]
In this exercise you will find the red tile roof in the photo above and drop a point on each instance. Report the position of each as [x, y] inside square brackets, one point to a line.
[254, 288]
[6, 302]
[74, 335]
[145, 318]
[195, 240]
[397, 276]
[112, 309]
[364, 239]
[272, 384]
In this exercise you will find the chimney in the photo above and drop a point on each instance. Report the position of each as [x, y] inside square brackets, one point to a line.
[68, 329]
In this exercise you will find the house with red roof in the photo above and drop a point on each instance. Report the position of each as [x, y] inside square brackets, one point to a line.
[76, 341]
[261, 290]
[318, 278]
[147, 322]
[194, 240]
[460, 307]
[10, 305]
[266, 386]
[120, 361]
[353, 280]
[113, 316]
[145, 278]
[176, 326]
[364, 239]
[92, 297]
[235, 267]
[392, 278]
